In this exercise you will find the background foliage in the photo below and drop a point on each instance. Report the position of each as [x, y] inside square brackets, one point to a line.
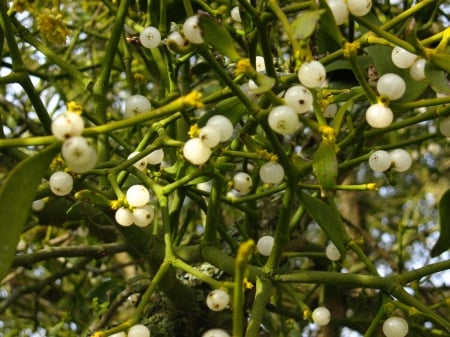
[71, 270]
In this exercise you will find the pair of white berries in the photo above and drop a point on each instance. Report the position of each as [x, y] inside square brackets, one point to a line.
[404, 59]
[271, 173]
[153, 158]
[77, 151]
[137, 330]
[399, 160]
[140, 213]
[341, 9]
[390, 86]
[218, 129]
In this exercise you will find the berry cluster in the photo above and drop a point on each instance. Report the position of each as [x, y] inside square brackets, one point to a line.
[78, 153]
[198, 150]
[399, 160]
[139, 212]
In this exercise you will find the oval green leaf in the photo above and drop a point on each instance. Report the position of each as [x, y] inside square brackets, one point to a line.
[305, 23]
[327, 218]
[16, 195]
[443, 243]
[218, 36]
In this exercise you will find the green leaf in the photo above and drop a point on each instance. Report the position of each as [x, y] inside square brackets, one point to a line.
[230, 107]
[265, 83]
[437, 79]
[325, 165]
[443, 243]
[16, 195]
[327, 218]
[305, 23]
[218, 36]
[328, 26]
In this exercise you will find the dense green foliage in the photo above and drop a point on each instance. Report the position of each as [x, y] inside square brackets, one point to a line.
[69, 269]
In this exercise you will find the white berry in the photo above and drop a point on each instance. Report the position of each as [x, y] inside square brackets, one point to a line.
[299, 98]
[359, 7]
[332, 252]
[176, 39]
[339, 10]
[217, 300]
[137, 195]
[155, 157]
[400, 160]
[379, 116]
[192, 30]
[61, 183]
[402, 58]
[260, 64]
[223, 124]
[242, 182]
[395, 327]
[283, 120]
[123, 217]
[141, 164]
[265, 244]
[391, 85]
[380, 161]
[312, 74]
[196, 152]
[150, 37]
[143, 216]
[67, 125]
[82, 167]
[444, 126]
[38, 205]
[215, 333]
[321, 316]
[417, 70]
[136, 105]
[235, 14]
[271, 173]
[76, 149]
[209, 135]
[138, 330]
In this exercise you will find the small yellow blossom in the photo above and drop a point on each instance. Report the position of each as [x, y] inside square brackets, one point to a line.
[351, 48]
[194, 131]
[74, 107]
[244, 67]
[193, 99]
[248, 284]
[51, 25]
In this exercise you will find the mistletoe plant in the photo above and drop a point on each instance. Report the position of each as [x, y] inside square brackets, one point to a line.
[224, 168]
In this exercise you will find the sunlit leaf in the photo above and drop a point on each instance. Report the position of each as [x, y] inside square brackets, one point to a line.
[16, 195]
[437, 79]
[327, 218]
[217, 36]
[325, 165]
[305, 23]
[443, 243]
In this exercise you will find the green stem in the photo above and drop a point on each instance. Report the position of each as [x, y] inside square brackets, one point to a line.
[245, 250]
[262, 296]
[214, 213]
